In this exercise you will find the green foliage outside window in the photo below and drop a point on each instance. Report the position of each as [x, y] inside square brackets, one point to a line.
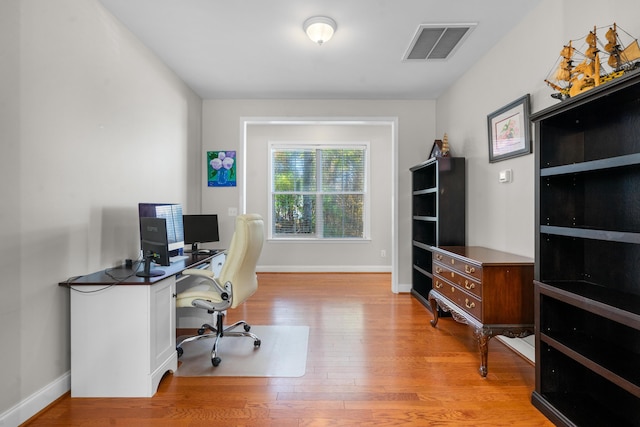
[318, 192]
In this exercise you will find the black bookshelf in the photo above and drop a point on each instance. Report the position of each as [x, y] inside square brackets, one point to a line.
[587, 289]
[438, 215]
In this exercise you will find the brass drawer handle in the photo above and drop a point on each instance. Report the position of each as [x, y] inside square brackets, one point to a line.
[453, 289]
[469, 305]
[469, 285]
[453, 274]
[439, 257]
[438, 284]
[469, 269]
[453, 261]
[438, 270]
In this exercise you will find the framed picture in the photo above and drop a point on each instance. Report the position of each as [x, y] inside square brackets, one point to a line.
[510, 131]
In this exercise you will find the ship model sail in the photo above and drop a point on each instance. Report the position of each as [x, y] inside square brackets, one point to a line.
[570, 80]
[620, 56]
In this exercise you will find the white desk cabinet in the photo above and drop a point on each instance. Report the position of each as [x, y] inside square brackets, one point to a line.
[123, 337]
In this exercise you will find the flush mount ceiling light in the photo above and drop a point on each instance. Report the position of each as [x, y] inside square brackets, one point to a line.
[320, 28]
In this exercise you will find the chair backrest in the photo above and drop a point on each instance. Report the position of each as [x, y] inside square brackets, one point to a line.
[239, 267]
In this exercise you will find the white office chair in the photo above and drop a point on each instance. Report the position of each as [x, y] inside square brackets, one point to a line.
[237, 282]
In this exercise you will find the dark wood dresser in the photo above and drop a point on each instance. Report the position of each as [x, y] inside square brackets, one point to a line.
[492, 291]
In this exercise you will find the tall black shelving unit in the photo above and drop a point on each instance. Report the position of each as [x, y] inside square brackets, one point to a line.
[587, 285]
[438, 200]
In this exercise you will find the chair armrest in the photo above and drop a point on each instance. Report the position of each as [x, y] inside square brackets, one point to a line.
[198, 272]
[225, 292]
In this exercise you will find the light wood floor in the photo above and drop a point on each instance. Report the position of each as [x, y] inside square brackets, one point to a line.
[373, 360]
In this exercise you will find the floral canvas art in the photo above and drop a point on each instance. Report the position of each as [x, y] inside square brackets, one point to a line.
[221, 168]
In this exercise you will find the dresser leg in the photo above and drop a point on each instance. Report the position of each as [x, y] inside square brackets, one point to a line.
[434, 309]
[483, 336]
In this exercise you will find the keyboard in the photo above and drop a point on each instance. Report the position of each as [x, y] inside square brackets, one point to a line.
[178, 258]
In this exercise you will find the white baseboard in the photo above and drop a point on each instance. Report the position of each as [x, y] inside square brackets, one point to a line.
[404, 287]
[36, 402]
[525, 347]
[323, 269]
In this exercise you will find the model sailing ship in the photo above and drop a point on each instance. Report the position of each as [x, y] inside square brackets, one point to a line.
[597, 66]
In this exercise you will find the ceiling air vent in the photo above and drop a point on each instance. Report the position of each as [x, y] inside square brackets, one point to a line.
[437, 41]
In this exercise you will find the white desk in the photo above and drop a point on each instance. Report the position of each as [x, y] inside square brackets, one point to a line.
[123, 337]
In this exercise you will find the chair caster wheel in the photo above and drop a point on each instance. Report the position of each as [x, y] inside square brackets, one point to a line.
[247, 328]
[201, 331]
[180, 351]
[257, 343]
[216, 361]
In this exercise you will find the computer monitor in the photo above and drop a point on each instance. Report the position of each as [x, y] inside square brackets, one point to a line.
[200, 229]
[154, 245]
[172, 212]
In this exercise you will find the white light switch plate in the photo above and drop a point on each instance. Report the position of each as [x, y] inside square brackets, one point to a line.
[505, 176]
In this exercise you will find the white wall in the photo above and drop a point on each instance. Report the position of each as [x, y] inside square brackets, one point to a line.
[96, 123]
[10, 198]
[501, 216]
[416, 132]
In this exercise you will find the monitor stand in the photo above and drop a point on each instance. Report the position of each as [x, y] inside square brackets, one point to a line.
[195, 251]
[148, 272]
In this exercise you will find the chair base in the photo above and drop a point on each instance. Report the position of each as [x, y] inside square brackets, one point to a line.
[218, 332]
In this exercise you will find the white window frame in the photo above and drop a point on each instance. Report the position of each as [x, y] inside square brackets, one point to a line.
[320, 145]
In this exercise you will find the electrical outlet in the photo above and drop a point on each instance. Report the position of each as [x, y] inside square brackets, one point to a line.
[233, 211]
[383, 254]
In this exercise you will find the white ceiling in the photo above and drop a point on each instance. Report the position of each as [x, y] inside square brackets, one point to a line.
[257, 49]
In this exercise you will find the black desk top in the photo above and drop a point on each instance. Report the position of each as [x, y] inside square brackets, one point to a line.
[127, 276]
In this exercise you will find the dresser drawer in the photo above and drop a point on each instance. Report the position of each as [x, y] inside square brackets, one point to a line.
[473, 286]
[464, 300]
[459, 265]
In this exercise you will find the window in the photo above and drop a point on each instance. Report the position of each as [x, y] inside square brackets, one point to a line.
[318, 191]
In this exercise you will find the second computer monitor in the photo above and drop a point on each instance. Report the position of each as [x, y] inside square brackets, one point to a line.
[200, 229]
[154, 245]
